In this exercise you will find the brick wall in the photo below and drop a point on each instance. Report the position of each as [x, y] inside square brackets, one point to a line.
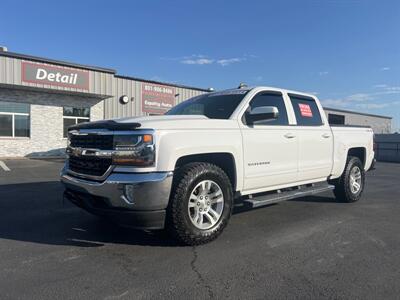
[46, 120]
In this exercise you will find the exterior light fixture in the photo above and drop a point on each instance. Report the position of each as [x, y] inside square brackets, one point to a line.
[124, 99]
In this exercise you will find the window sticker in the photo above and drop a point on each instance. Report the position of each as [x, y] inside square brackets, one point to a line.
[305, 110]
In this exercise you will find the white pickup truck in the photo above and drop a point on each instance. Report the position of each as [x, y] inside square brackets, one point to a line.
[184, 171]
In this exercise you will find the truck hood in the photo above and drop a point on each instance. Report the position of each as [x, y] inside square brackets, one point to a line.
[179, 122]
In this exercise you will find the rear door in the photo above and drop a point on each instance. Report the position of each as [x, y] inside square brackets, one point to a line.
[315, 138]
[269, 147]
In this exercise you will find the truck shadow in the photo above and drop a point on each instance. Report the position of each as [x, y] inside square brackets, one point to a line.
[35, 212]
[317, 199]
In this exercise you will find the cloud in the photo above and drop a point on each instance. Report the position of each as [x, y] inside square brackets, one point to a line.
[385, 89]
[363, 100]
[385, 69]
[197, 61]
[323, 73]
[250, 56]
[335, 102]
[379, 86]
[227, 61]
[392, 90]
[351, 100]
[377, 105]
[180, 58]
[372, 105]
[360, 97]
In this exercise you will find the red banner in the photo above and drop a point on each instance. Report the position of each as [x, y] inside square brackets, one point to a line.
[157, 99]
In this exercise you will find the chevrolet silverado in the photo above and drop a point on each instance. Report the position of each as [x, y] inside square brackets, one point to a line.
[185, 170]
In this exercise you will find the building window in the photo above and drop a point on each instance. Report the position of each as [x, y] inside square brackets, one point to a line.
[334, 119]
[73, 116]
[14, 119]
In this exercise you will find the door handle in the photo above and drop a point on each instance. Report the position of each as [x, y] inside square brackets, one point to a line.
[289, 135]
[326, 135]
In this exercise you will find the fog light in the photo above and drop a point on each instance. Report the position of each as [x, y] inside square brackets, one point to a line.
[129, 191]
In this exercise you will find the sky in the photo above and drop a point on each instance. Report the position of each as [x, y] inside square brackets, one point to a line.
[345, 52]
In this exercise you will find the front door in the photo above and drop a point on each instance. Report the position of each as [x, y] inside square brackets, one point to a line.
[270, 147]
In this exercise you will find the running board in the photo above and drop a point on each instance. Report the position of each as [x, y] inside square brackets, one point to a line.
[281, 195]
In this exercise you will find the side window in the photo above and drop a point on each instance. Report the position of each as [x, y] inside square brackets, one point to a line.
[306, 111]
[271, 99]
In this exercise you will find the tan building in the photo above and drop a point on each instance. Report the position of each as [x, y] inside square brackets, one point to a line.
[40, 98]
[378, 123]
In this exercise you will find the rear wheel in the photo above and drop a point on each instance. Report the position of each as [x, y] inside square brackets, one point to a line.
[349, 187]
[201, 203]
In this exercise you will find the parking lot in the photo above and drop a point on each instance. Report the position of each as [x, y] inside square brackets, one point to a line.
[311, 247]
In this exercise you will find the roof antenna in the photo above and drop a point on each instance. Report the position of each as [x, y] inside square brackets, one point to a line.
[242, 85]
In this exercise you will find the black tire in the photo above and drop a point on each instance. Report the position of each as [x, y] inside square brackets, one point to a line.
[343, 191]
[185, 180]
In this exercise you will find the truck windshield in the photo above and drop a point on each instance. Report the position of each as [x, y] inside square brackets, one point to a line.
[219, 105]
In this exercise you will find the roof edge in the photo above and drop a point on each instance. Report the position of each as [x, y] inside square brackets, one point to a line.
[161, 82]
[93, 68]
[356, 112]
[56, 62]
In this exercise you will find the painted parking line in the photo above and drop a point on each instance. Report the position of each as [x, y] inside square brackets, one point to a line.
[4, 166]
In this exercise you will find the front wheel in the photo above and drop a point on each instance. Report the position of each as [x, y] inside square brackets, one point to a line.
[201, 203]
[349, 187]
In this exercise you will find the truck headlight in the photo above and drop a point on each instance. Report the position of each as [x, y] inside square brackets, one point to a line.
[134, 150]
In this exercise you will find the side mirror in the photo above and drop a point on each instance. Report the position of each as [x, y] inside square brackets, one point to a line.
[262, 113]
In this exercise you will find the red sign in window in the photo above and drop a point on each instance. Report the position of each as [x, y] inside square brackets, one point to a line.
[305, 110]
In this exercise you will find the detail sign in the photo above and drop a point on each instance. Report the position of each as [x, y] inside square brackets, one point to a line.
[157, 99]
[305, 110]
[55, 76]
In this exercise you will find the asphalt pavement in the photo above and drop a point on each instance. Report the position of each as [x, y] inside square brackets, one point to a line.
[308, 248]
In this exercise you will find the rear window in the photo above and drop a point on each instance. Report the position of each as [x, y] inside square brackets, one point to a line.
[306, 111]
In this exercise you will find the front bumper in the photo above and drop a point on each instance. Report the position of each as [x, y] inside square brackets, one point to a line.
[136, 200]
